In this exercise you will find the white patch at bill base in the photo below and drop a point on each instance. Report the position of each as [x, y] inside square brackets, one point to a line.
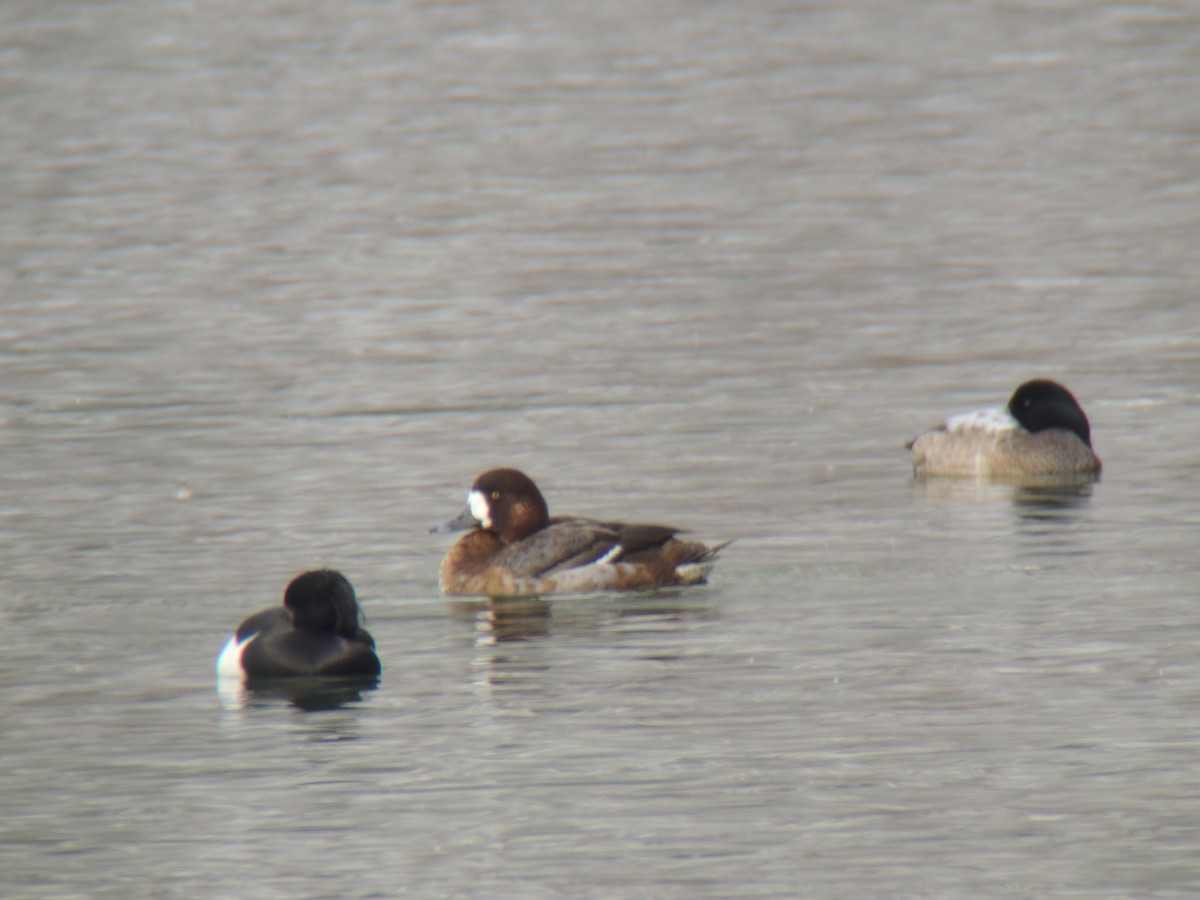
[478, 504]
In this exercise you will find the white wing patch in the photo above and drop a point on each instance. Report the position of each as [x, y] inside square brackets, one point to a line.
[995, 420]
[610, 556]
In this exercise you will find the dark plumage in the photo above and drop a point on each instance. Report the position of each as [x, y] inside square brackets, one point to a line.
[315, 633]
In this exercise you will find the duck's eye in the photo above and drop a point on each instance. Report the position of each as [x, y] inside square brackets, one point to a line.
[495, 495]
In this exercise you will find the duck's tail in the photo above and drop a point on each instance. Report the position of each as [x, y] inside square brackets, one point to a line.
[696, 561]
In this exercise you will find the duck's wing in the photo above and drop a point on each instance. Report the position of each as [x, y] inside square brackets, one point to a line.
[633, 538]
[994, 421]
[309, 653]
[268, 621]
[564, 543]
[985, 424]
[572, 541]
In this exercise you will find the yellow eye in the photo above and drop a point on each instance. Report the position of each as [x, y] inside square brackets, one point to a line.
[495, 495]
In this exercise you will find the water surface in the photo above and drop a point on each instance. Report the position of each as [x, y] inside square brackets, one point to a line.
[278, 280]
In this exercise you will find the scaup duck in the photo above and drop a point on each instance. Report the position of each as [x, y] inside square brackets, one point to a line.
[515, 548]
[1042, 431]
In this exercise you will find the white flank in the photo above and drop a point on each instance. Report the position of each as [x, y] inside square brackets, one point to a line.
[995, 420]
[229, 663]
[480, 509]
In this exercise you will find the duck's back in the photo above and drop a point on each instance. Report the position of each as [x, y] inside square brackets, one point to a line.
[575, 554]
[300, 652]
[1005, 453]
[569, 542]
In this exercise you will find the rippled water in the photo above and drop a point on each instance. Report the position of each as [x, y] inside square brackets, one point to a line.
[279, 279]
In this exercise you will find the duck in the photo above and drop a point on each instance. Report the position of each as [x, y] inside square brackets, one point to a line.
[316, 632]
[1042, 431]
[513, 547]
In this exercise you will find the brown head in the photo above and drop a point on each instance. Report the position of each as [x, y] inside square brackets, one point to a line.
[505, 502]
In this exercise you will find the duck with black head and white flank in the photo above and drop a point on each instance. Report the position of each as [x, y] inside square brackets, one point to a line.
[1042, 431]
[514, 547]
[315, 633]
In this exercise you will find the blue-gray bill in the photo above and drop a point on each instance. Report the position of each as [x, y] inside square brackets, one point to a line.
[461, 522]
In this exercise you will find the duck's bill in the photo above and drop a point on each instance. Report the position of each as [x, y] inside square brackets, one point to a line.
[461, 522]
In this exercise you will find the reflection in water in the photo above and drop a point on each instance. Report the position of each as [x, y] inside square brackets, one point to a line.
[506, 619]
[1047, 516]
[1034, 501]
[306, 694]
[509, 657]
[512, 619]
[1047, 509]
[963, 490]
[450, 233]
[509, 633]
[1053, 490]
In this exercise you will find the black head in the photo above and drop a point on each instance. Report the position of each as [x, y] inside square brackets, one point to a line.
[323, 600]
[1041, 404]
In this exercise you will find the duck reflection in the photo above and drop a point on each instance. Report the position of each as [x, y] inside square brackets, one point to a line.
[505, 619]
[306, 694]
[520, 658]
[501, 620]
[1049, 517]
[1051, 499]
[1048, 511]
[1046, 490]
